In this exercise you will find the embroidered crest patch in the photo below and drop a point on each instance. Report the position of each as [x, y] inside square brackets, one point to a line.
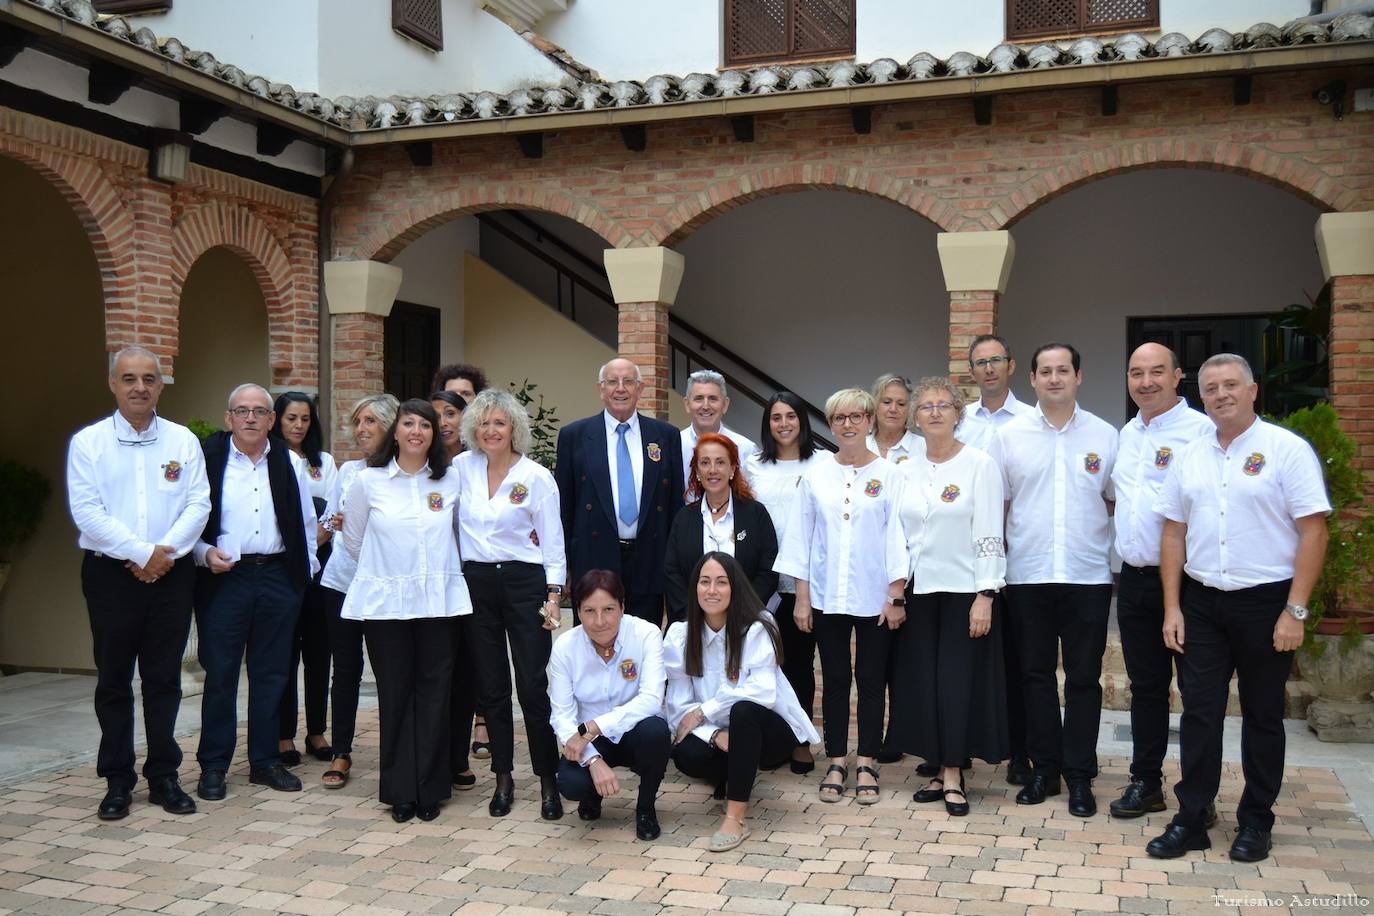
[315, 473]
[901, 458]
[949, 494]
[1092, 463]
[873, 487]
[1253, 464]
[654, 451]
[1163, 455]
[171, 471]
[518, 494]
[628, 670]
[436, 502]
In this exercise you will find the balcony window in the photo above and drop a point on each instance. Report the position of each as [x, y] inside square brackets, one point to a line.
[1032, 19]
[770, 31]
[420, 20]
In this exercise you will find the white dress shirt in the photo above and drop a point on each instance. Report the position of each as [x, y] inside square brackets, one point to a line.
[338, 572]
[130, 491]
[980, 423]
[1241, 504]
[760, 680]
[617, 693]
[1144, 454]
[718, 535]
[689, 442]
[635, 443]
[247, 515]
[844, 536]
[322, 478]
[952, 516]
[1058, 482]
[521, 522]
[908, 447]
[399, 528]
[775, 484]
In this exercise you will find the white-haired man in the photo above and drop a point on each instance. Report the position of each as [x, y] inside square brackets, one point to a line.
[707, 401]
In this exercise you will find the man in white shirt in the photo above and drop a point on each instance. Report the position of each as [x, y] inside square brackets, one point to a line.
[257, 561]
[1243, 543]
[991, 366]
[706, 403]
[137, 492]
[1056, 468]
[1162, 426]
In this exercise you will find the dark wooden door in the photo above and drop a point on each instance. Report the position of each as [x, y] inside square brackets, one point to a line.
[411, 349]
[1196, 337]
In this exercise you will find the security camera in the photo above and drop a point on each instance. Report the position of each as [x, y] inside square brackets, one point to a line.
[1333, 94]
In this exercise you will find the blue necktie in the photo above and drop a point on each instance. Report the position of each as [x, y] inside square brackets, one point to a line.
[625, 478]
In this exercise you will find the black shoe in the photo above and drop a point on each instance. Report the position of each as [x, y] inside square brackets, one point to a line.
[550, 802]
[211, 785]
[931, 793]
[646, 825]
[589, 809]
[1176, 841]
[1251, 845]
[927, 769]
[1081, 800]
[427, 812]
[402, 812]
[1209, 816]
[1037, 790]
[1139, 798]
[503, 797]
[275, 777]
[319, 751]
[167, 792]
[464, 781]
[888, 755]
[956, 802]
[1019, 772]
[291, 758]
[802, 767]
[115, 805]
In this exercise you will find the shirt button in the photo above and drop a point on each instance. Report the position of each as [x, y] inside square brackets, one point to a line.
[846, 500]
[846, 516]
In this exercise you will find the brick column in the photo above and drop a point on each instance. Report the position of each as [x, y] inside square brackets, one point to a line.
[150, 318]
[1345, 244]
[976, 266]
[360, 295]
[644, 283]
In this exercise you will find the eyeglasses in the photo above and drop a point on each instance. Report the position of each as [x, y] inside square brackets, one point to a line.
[852, 419]
[619, 382]
[244, 413]
[937, 407]
[993, 361]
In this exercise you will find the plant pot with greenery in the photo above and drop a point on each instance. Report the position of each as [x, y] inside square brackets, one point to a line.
[23, 491]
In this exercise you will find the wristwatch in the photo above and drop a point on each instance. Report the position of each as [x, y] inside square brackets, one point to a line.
[1297, 610]
[988, 592]
[898, 601]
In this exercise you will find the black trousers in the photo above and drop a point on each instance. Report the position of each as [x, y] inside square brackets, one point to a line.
[346, 650]
[506, 600]
[147, 624]
[1047, 616]
[798, 655]
[252, 617]
[872, 644]
[413, 662]
[1226, 632]
[759, 737]
[1149, 665]
[462, 694]
[1011, 658]
[309, 649]
[644, 749]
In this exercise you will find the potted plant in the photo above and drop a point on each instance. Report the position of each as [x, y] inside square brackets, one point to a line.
[543, 422]
[22, 493]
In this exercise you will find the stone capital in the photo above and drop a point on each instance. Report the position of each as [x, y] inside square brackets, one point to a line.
[976, 260]
[644, 274]
[361, 287]
[1345, 243]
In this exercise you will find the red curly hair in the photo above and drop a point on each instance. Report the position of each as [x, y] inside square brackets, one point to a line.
[738, 485]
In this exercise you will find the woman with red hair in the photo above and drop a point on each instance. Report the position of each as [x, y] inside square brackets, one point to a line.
[724, 517]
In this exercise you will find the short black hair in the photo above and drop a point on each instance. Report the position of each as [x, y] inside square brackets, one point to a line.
[452, 371]
[1073, 354]
[388, 449]
[768, 446]
[451, 398]
[989, 338]
[314, 436]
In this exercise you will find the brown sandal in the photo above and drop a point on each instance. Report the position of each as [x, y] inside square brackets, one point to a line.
[335, 778]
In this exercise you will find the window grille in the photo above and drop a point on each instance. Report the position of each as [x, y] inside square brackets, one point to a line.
[123, 7]
[761, 31]
[421, 20]
[1049, 18]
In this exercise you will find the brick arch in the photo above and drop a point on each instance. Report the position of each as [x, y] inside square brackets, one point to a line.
[1289, 173]
[729, 193]
[109, 226]
[238, 229]
[389, 239]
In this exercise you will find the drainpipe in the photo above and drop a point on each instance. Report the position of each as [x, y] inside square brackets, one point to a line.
[1364, 9]
[325, 246]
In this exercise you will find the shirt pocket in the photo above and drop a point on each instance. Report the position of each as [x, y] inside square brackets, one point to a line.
[1089, 470]
[170, 476]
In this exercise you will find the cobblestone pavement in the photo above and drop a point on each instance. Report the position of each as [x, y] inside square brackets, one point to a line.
[338, 852]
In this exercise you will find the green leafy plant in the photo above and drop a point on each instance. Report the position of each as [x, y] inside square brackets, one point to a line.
[1298, 338]
[543, 422]
[202, 428]
[23, 491]
[1345, 577]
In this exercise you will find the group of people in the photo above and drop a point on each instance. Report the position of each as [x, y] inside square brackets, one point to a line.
[940, 560]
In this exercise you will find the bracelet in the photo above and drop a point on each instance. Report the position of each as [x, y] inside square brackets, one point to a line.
[712, 740]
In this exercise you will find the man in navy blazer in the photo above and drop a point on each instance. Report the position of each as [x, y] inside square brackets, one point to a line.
[619, 478]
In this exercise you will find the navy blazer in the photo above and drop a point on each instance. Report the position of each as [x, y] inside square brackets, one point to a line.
[590, 532]
[756, 547]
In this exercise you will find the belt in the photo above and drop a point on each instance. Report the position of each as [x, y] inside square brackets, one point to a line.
[627, 546]
[1141, 570]
[261, 559]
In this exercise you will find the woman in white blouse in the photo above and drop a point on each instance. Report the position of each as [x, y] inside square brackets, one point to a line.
[511, 536]
[371, 417]
[951, 692]
[606, 690]
[892, 437]
[407, 589]
[730, 708]
[844, 546]
[786, 449]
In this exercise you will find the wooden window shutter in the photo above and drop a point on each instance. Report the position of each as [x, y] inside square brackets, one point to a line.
[422, 20]
[124, 7]
[763, 31]
[1027, 19]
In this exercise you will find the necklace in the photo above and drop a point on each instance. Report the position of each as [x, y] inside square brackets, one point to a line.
[717, 510]
[605, 651]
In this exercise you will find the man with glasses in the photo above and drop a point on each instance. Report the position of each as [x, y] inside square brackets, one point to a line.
[137, 491]
[257, 561]
[619, 477]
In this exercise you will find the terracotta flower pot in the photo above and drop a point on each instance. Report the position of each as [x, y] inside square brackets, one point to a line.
[1335, 624]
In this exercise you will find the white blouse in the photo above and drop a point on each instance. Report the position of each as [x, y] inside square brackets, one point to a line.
[617, 693]
[338, 572]
[844, 536]
[775, 484]
[952, 516]
[322, 478]
[521, 522]
[399, 528]
[718, 535]
[907, 448]
[760, 680]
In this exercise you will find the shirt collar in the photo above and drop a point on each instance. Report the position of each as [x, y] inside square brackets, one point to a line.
[1073, 418]
[1164, 419]
[982, 411]
[236, 452]
[1249, 431]
[710, 637]
[394, 469]
[612, 422]
[127, 435]
[729, 509]
[616, 647]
